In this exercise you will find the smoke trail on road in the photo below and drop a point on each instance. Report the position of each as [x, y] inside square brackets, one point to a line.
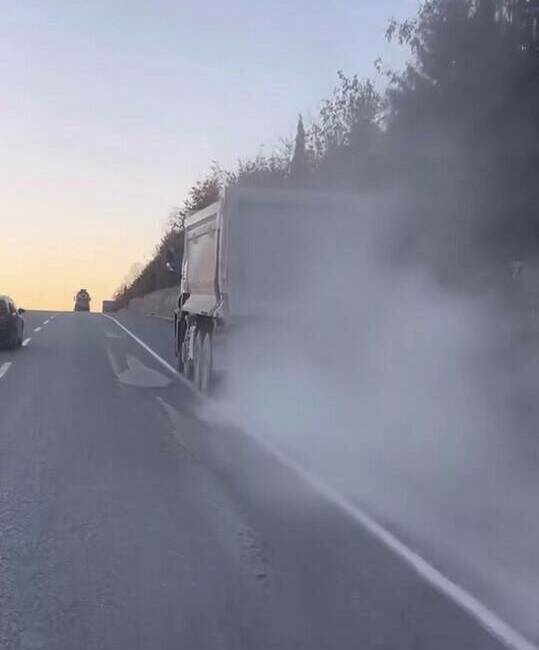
[408, 396]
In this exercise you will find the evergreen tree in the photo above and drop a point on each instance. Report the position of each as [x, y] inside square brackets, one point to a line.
[299, 167]
[464, 131]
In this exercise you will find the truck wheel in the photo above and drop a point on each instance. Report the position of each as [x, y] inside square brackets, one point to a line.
[178, 344]
[189, 367]
[205, 364]
[185, 369]
[197, 354]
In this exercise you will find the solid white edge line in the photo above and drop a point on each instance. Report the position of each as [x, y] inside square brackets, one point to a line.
[26, 341]
[4, 368]
[148, 349]
[490, 621]
[37, 329]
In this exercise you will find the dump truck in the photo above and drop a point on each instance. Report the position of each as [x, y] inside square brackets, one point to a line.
[245, 258]
[82, 301]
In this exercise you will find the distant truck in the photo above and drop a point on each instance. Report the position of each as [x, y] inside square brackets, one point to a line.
[108, 306]
[82, 301]
[244, 259]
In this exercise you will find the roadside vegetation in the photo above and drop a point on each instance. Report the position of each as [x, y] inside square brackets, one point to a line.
[454, 136]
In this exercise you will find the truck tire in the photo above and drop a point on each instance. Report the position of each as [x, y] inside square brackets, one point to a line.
[189, 365]
[178, 344]
[197, 353]
[205, 364]
[185, 369]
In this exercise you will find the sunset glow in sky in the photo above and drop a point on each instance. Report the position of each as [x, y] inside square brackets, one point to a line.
[112, 109]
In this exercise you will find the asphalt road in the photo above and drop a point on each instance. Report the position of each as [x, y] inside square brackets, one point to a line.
[126, 522]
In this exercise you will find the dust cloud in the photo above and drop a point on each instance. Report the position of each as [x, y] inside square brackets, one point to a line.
[410, 396]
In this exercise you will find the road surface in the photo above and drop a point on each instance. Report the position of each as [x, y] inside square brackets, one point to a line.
[126, 522]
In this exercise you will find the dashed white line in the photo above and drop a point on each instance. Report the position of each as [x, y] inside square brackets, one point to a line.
[46, 322]
[26, 341]
[37, 329]
[488, 619]
[4, 368]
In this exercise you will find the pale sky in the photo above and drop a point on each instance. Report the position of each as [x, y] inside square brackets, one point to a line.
[110, 110]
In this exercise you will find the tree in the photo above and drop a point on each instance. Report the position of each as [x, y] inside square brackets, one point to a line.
[351, 114]
[345, 141]
[264, 170]
[202, 194]
[463, 129]
[299, 167]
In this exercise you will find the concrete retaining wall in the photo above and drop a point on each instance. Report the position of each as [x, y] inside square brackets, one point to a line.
[159, 303]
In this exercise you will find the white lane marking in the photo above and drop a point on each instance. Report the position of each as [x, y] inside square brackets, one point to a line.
[148, 349]
[37, 329]
[53, 317]
[46, 322]
[4, 368]
[26, 341]
[112, 335]
[489, 620]
[136, 373]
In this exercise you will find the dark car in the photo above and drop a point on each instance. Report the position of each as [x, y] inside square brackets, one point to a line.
[11, 323]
